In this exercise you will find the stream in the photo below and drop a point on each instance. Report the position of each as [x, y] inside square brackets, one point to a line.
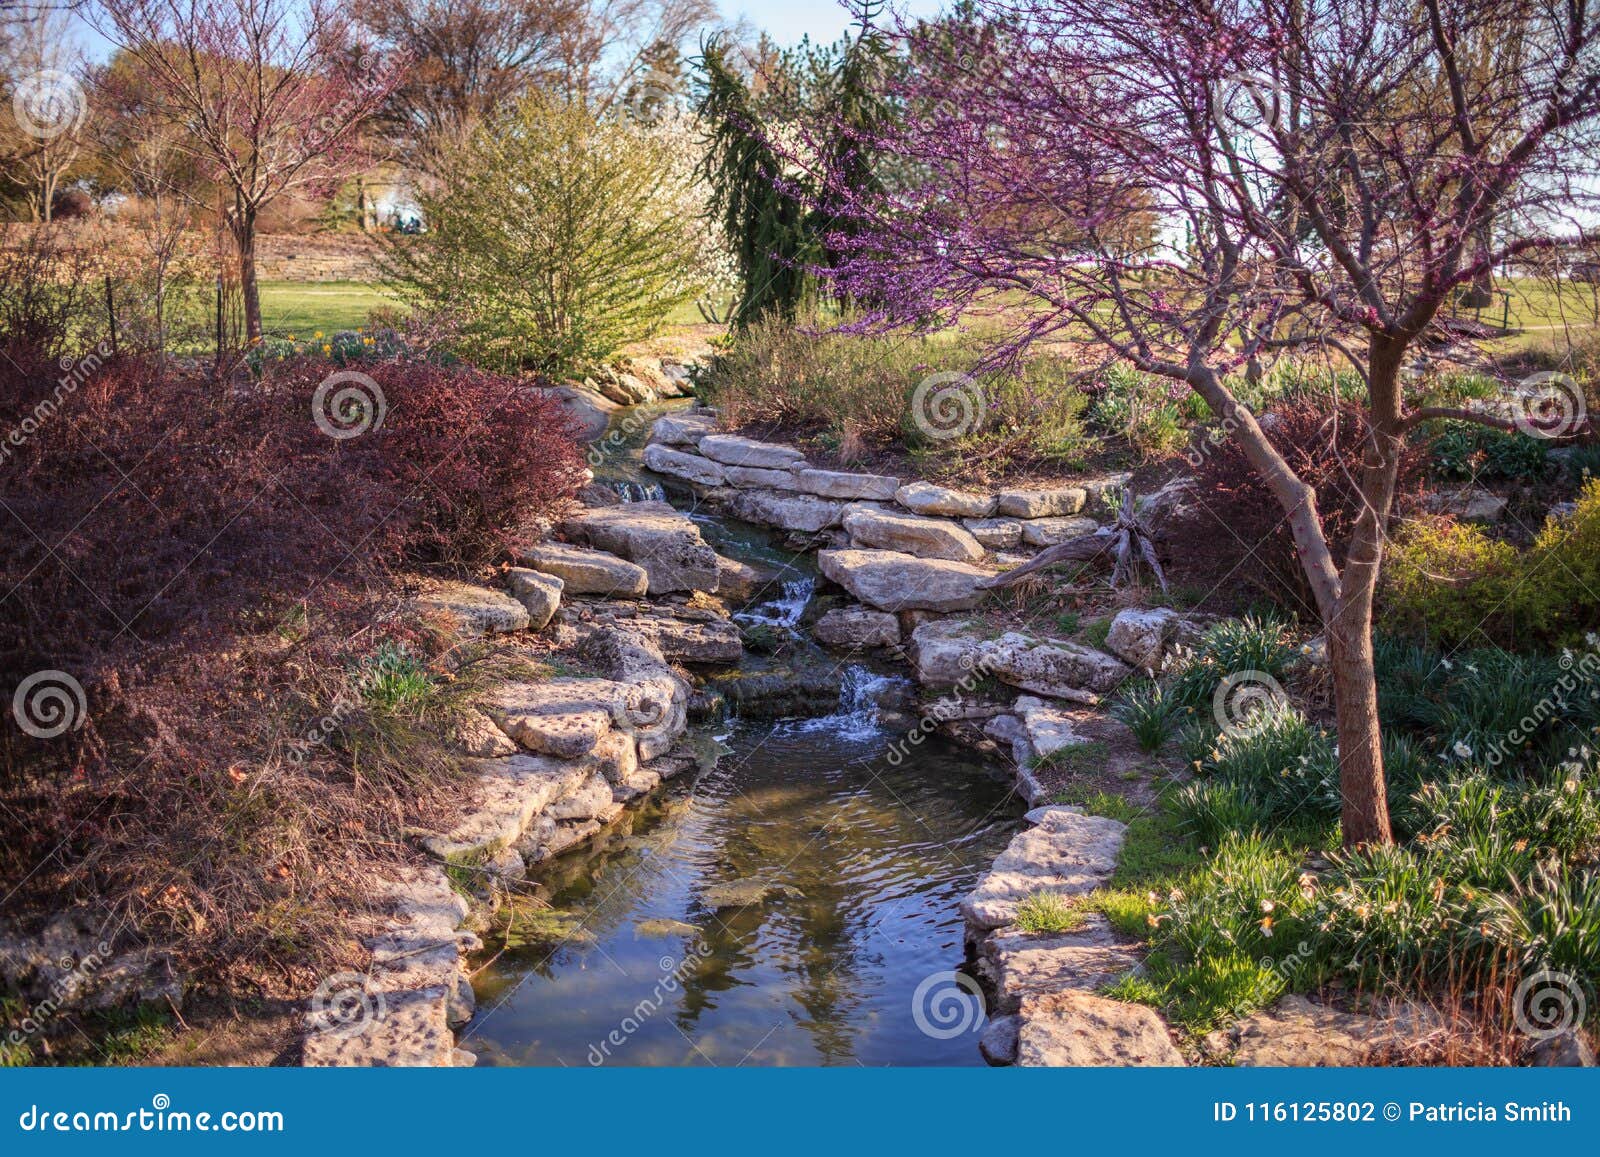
[794, 902]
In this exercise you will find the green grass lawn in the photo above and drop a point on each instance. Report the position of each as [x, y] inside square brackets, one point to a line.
[304, 307]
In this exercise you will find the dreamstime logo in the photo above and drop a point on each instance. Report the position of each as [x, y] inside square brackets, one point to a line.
[948, 1004]
[1251, 103]
[1548, 405]
[1549, 1003]
[48, 704]
[343, 1006]
[948, 405]
[1243, 701]
[49, 103]
[347, 404]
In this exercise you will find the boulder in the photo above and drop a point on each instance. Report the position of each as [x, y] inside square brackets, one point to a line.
[540, 593]
[1469, 504]
[856, 629]
[926, 498]
[655, 536]
[756, 477]
[1078, 1030]
[833, 484]
[994, 533]
[588, 410]
[1066, 853]
[1042, 503]
[682, 464]
[1055, 667]
[998, 1042]
[477, 610]
[733, 450]
[945, 653]
[475, 734]
[738, 582]
[1050, 531]
[1101, 490]
[588, 572]
[1138, 636]
[891, 581]
[685, 429]
[803, 512]
[912, 534]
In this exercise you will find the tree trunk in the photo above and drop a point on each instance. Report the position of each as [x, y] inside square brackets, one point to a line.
[244, 238]
[1362, 784]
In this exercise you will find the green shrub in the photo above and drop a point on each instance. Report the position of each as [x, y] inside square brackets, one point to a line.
[1142, 410]
[555, 238]
[393, 680]
[1467, 450]
[864, 390]
[1447, 582]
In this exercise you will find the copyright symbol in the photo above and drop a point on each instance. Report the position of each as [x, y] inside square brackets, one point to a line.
[1391, 1112]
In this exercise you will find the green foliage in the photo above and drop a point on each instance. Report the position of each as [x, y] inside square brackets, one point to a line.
[861, 390]
[1231, 647]
[393, 680]
[1047, 912]
[554, 239]
[1447, 581]
[1140, 409]
[1467, 450]
[1149, 710]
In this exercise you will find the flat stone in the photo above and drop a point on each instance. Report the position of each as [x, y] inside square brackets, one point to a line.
[738, 581]
[562, 717]
[507, 795]
[912, 534]
[1563, 1050]
[1051, 531]
[1047, 727]
[682, 429]
[682, 464]
[1067, 854]
[1024, 965]
[733, 450]
[801, 512]
[1139, 636]
[478, 610]
[1299, 1033]
[947, 653]
[654, 535]
[891, 581]
[588, 800]
[588, 572]
[834, 484]
[754, 477]
[994, 533]
[540, 593]
[1042, 503]
[926, 498]
[1080, 1030]
[716, 641]
[746, 893]
[856, 629]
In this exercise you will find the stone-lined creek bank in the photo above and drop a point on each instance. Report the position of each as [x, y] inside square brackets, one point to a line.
[779, 818]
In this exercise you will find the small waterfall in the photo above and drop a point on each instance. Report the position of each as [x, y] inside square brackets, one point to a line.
[639, 491]
[860, 694]
[782, 612]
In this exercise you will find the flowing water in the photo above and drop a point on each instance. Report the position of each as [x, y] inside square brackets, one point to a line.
[793, 902]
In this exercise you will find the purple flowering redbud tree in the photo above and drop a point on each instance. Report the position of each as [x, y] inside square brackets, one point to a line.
[1319, 178]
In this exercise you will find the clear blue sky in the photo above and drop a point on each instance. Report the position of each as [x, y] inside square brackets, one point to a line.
[786, 21]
